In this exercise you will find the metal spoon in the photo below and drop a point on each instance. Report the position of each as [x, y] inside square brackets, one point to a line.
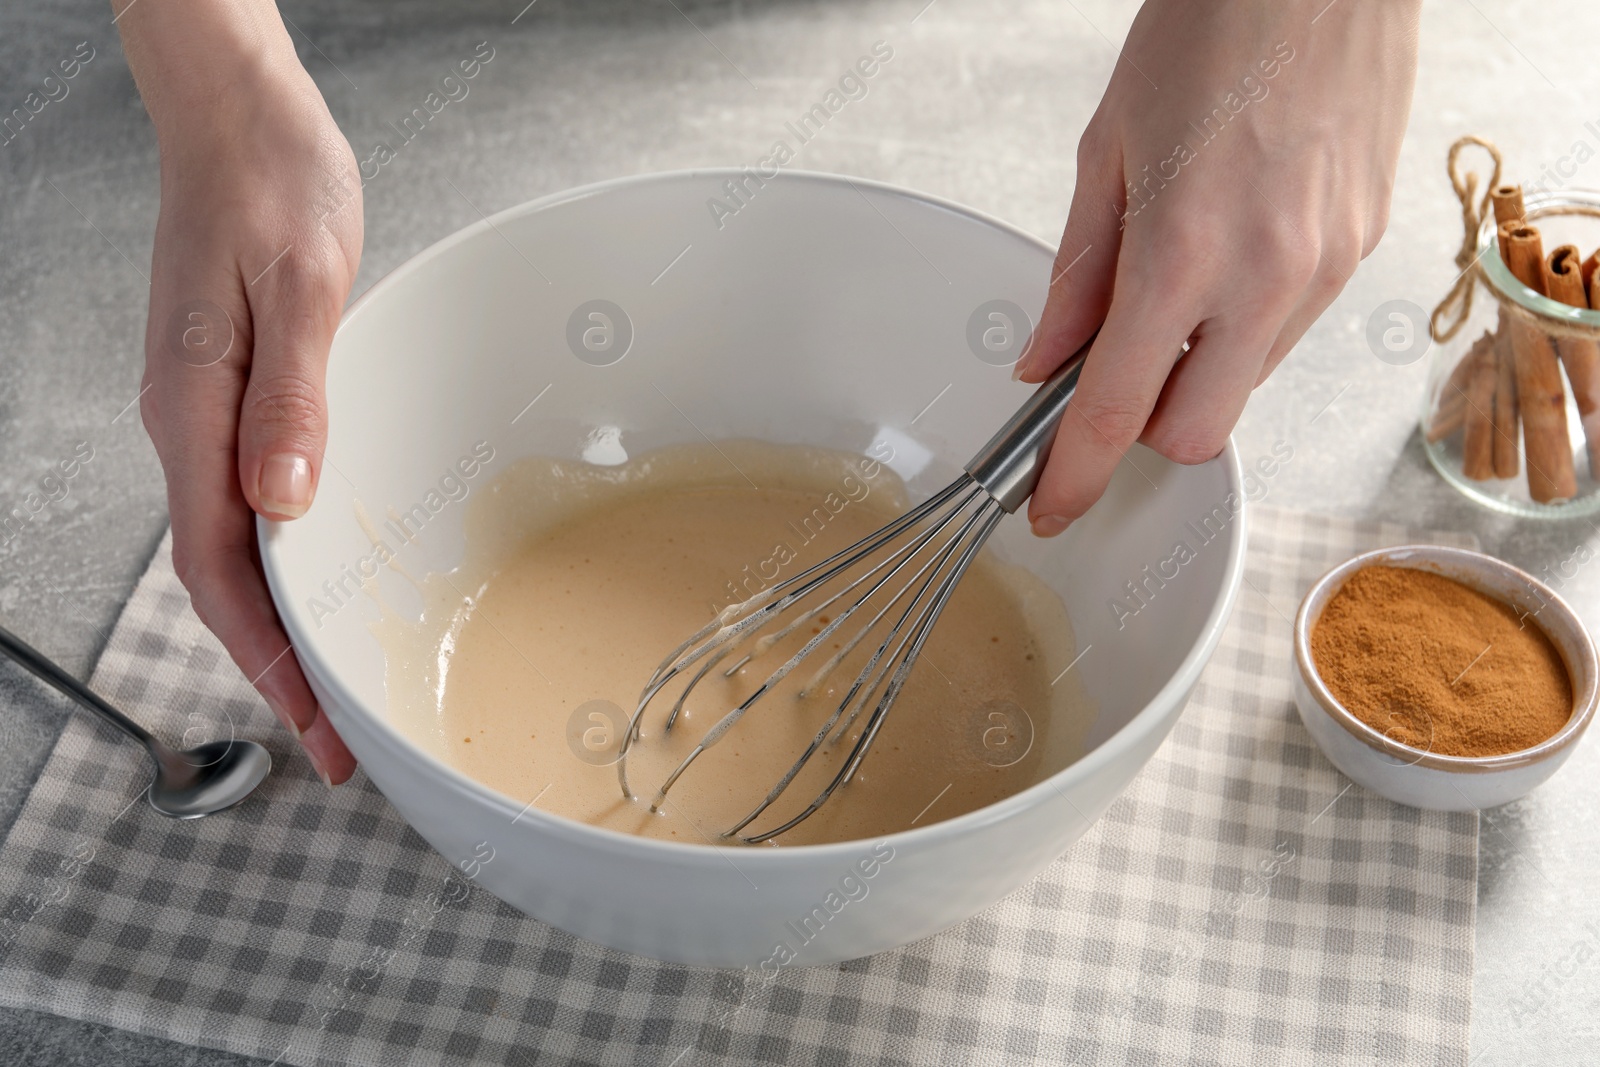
[188, 784]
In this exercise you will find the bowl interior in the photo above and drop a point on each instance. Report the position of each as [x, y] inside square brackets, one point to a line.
[824, 312]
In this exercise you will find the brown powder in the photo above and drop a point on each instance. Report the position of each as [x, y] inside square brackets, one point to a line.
[1435, 665]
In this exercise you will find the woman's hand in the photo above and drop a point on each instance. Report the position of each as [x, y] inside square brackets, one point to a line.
[1238, 168]
[255, 251]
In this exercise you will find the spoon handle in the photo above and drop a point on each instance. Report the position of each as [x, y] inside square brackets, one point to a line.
[46, 669]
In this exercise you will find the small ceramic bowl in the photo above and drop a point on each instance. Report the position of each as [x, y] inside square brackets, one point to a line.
[1428, 779]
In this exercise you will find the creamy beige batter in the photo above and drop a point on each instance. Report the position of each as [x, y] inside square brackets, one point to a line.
[579, 579]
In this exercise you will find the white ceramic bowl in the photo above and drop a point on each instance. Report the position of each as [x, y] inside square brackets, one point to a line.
[1425, 779]
[824, 311]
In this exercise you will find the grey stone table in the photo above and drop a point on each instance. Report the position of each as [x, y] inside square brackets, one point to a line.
[983, 104]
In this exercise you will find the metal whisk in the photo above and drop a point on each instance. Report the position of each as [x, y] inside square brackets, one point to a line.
[906, 572]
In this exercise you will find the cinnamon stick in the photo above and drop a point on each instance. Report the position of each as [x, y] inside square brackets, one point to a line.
[1508, 214]
[1455, 387]
[1563, 277]
[1507, 201]
[1563, 280]
[1446, 421]
[1525, 246]
[1477, 439]
[1450, 413]
[1587, 269]
[1503, 232]
[1506, 417]
[1541, 397]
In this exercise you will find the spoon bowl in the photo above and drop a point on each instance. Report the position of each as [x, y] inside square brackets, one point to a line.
[207, 778]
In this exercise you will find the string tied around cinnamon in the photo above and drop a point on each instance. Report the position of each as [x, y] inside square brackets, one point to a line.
[1457, 303]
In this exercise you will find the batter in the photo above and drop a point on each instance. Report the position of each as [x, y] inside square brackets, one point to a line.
[579, 579]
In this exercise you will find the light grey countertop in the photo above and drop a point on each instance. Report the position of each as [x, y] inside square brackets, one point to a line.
[983, 104]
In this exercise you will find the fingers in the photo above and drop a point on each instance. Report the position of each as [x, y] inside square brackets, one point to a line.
[1324, 289]
[327, 751]
[196, 370]
[1082, 275]
[1121, 380]
[283, 418]
[1134, 386]
[212, 553]
[1207, 390]
[213, 534]
[1310, 308]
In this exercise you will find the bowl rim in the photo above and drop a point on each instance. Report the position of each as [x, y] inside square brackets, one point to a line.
[606, 840]
[1467, 561]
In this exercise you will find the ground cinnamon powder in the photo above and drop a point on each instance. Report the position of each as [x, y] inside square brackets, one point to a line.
[1438, 666]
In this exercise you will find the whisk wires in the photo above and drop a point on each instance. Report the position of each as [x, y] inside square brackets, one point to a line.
[902, 575]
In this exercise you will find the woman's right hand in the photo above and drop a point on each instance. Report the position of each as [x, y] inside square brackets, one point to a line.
[256, 248]
[1222, 209]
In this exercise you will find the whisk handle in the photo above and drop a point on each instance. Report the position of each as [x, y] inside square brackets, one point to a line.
[1008, 466]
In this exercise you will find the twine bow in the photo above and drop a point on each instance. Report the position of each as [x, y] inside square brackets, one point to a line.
[1457, 303]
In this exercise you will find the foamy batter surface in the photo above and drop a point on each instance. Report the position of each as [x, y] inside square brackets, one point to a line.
[578, 581]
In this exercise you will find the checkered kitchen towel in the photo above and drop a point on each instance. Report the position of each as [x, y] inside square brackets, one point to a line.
[1242, 903]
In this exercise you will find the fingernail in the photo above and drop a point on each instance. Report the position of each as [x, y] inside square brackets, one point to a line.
[283, 717]
[1017, 368]
[1049, 525]
[286, 485]
[316, 765]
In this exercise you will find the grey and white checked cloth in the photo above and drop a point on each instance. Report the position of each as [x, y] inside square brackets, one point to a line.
[1242, 903]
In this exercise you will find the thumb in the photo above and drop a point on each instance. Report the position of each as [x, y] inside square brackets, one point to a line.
[283, 415]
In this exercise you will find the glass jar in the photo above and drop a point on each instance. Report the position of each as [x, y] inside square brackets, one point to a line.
[1466, 410]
